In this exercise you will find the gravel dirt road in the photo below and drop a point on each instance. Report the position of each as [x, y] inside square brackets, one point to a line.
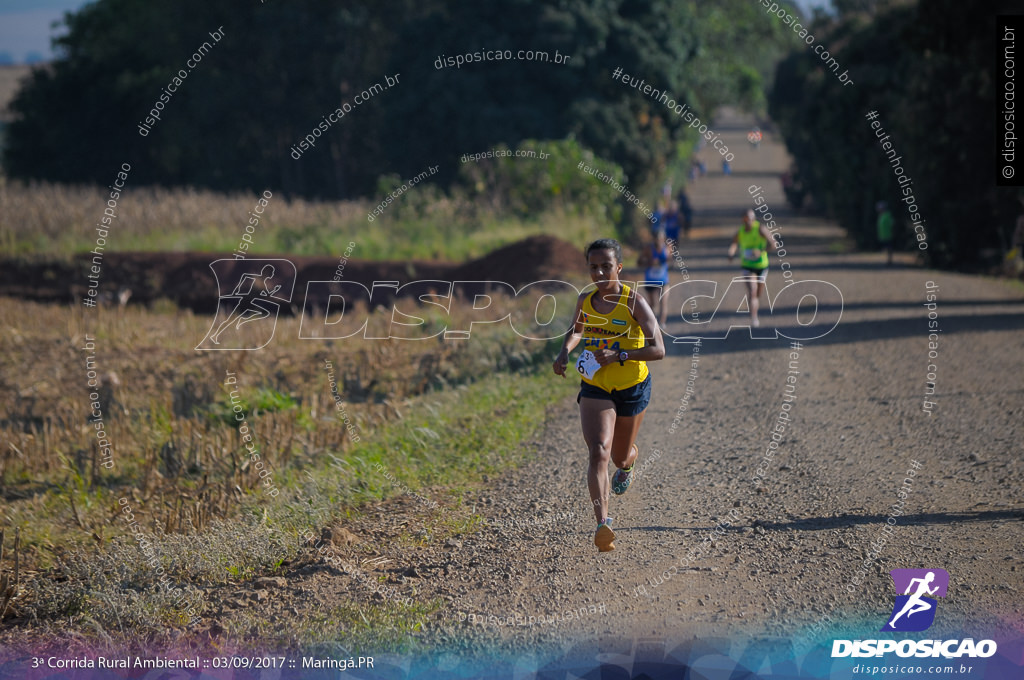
[721, 537]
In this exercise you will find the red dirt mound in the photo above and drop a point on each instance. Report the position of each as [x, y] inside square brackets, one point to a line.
[187, 280]
[538, 258]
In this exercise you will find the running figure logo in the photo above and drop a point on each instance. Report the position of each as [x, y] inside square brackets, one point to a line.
[914, 610]
[261, 287]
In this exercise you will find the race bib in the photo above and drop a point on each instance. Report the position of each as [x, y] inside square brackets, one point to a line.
[751, 254]
[587, 364]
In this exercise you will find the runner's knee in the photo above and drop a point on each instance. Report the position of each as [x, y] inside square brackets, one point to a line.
[600, 452]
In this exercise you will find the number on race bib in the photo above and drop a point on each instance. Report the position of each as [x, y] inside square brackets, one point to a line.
[587, 364]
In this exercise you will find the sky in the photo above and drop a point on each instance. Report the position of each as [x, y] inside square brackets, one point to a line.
[25, 26]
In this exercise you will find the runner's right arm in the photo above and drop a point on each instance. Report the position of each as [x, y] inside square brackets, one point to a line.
[572, 338]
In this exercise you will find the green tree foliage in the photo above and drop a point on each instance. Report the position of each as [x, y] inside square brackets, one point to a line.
[926, 68]
[232, 122]
[505, 183]
[738, 47]
[283, 66]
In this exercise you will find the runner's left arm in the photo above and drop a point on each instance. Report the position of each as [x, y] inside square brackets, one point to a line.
[654, 348]
[644, 315]
[772, 246]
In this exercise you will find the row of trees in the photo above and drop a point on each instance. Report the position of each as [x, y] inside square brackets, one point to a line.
[282, 66]
[927, 68]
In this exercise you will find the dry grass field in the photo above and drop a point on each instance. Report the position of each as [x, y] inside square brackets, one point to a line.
[167, 412]
[50, 220]
[178, 459]
[54, 220]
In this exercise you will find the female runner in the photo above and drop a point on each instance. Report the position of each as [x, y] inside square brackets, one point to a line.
[620, 334]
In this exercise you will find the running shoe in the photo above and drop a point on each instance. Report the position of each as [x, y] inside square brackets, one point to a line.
[623, 477]
[604, 537]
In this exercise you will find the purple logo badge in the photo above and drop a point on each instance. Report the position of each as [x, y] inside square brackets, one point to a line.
[915, 606]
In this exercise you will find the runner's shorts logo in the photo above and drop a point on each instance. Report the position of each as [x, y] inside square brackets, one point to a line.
[915, 605]
[247, 315]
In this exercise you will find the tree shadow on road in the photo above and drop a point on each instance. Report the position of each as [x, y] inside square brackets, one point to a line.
[920, 519]
[739, 340]
[850, 520]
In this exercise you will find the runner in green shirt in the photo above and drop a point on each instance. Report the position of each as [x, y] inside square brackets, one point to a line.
[885, 222]
[753, 241]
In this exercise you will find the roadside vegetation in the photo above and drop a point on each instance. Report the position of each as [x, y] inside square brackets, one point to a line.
[497, 201]
[418, 410]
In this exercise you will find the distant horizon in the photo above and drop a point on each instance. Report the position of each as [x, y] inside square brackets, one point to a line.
[26, 27]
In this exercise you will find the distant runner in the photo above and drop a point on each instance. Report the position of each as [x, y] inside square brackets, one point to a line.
[884, 226]
[654, 260]
[685, 212]
[755, 242]
[620, 334]
[754, 137]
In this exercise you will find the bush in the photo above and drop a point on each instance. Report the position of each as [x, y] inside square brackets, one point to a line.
[539, 177]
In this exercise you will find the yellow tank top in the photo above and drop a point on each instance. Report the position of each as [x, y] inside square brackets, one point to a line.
[617, 331]
[752, 242]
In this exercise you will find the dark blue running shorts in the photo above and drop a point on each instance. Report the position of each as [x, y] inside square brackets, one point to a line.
[761, 274]
[628, 402]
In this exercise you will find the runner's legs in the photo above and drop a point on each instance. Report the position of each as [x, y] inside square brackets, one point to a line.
[753, 295]
[757, 293]
[626, 430]
[597, 417]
